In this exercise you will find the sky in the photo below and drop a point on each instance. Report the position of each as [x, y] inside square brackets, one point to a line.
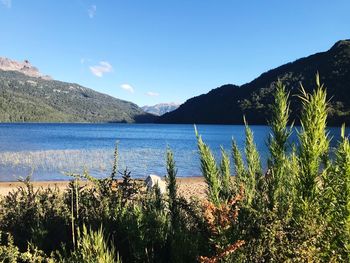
[152, 51]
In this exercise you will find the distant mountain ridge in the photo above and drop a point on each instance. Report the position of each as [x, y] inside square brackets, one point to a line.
[26, 95]
[227, 104]
[161, 108]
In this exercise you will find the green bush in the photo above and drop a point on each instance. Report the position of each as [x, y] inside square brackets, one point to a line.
[92, 248]
[37, 216]
[298, 211]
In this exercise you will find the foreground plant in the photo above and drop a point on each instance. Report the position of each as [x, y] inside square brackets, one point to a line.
[299, 208]
[92, 247]
[220, 220]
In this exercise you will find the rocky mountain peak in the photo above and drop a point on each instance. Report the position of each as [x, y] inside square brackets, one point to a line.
[161, 108]
[24, 67]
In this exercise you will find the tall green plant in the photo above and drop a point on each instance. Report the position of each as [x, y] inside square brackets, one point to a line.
[278, 124]
[312, 207]
[171, 181]
[225, 175]
[313, 138]
[177, 228]
[209, 169]
[270, 212]
[240, 172]
[339, 187]
[92, 248]
[279, 179]
[254, 170]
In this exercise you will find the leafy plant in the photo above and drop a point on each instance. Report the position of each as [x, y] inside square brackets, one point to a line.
[209, 168]
[92, 247]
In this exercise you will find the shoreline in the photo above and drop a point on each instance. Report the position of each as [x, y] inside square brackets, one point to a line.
[187, 186]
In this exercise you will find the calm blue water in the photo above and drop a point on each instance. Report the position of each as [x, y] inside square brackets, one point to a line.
[50, 151]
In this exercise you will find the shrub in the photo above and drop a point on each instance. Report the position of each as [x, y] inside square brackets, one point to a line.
[92, 247]
[37, 216]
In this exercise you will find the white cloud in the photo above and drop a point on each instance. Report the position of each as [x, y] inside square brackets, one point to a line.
[127, 87]
[102, 68]
[152, 94]
[91, 11]
[7, 3]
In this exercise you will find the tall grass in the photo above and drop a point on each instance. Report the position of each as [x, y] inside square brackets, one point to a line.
[92, 247]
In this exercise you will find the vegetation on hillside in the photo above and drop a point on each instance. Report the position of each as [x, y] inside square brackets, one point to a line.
[296, 211]
[30, 99]
[228, 103]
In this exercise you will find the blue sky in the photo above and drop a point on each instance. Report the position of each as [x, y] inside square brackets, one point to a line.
[150, 51]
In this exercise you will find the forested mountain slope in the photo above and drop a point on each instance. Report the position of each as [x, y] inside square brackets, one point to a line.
[28, 98]
[227, 104]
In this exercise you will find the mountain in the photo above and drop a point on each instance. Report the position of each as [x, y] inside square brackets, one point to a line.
[24, 67]
[161, 108]
[227, 104]
[26, 95]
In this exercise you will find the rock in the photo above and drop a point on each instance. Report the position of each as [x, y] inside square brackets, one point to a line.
[24, 67]
[154, 180]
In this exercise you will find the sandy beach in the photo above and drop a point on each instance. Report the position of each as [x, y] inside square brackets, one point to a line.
[187, 187]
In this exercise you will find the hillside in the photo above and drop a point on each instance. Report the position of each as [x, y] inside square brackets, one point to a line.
[33, 97]
[161, 108]
[227, 104]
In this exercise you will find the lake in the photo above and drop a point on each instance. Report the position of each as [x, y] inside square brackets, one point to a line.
[50, 151]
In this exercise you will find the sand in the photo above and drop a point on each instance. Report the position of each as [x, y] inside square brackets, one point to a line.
[187, 187]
